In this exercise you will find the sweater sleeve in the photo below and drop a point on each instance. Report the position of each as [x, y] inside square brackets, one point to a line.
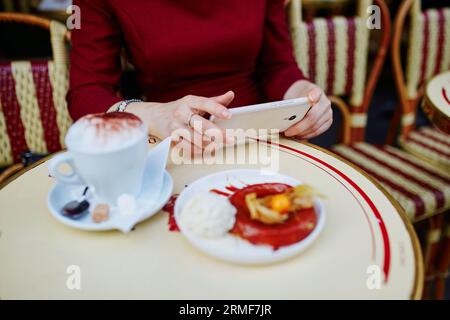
[95, 60]
[276, 68]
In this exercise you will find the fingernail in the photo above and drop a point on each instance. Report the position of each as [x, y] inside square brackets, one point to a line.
[226, 114]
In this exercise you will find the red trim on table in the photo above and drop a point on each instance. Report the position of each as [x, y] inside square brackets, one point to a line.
[47, 108]
[331, 55]
[419, 204]
[381, 224]
[444, 94]
[11, 111]
[372, 233]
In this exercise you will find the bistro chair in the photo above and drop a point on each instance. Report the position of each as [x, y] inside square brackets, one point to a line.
[33, 111]
[427, 54]
[333, 52]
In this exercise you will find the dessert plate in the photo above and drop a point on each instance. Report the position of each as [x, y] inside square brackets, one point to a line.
[230, 247]
[148, 203]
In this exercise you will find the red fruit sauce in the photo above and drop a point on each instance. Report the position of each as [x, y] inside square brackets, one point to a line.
[294, 229]
[297, 227]
[169, 208]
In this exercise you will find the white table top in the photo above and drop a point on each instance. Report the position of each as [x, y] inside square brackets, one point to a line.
[365, 233]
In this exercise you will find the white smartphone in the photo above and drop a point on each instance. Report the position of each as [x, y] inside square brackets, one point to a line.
[278, 115]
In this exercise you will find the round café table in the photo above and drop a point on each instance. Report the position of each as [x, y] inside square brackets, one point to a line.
[436, 104]
[367, 249]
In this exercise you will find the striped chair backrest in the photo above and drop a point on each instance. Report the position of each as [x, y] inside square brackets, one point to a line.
[16, 5]
[333, 53]
[428, 46]
[33, 110]
[427, 54]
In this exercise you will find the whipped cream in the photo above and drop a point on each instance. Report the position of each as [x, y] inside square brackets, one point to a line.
[208, 215]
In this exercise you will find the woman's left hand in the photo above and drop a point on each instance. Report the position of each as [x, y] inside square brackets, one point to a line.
[318, 119]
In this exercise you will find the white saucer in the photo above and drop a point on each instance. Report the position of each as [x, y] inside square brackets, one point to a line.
[147, 205]
[231, 248]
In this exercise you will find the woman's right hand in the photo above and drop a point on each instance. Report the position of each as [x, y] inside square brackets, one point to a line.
[180, 118]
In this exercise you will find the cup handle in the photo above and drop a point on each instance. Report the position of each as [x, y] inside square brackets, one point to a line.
[55, 162]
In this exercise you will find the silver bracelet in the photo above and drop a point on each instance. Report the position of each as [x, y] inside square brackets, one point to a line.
[124, 104]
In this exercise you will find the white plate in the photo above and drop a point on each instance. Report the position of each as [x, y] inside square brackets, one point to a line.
[231, 248]
[147, 204]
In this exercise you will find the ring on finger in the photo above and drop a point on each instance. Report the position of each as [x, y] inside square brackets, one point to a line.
[190, 120]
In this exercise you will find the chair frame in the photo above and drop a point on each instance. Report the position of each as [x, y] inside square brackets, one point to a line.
[27, 19]
[349, 133]
[407, 105]
[435, 262]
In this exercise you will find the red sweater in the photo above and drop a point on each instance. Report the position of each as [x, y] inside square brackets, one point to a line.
[181, 47]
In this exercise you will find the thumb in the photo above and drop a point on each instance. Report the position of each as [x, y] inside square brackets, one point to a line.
[314, 95]
[224, 99]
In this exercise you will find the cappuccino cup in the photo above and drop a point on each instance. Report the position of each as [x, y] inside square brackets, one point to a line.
[106, 152]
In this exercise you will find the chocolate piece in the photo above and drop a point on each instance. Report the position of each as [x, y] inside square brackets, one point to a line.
[75, 210]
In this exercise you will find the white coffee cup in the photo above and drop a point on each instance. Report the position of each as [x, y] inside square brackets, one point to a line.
[106, 152]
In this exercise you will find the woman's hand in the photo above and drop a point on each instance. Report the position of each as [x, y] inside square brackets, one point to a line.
[182, 117]
[318, 119]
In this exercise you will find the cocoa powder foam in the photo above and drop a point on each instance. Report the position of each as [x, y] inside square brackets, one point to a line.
[105, 132]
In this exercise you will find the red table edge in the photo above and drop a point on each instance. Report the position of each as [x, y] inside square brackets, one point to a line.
[418, 257]
[436, 116]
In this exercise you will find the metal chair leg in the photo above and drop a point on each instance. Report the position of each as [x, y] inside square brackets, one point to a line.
[10, 172]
